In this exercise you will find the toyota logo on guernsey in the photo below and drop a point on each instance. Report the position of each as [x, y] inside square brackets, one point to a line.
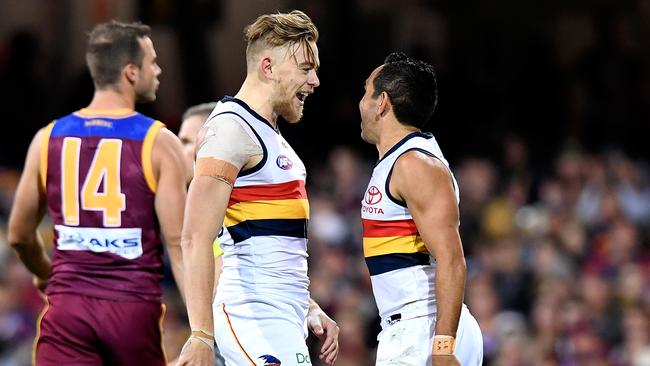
[373, 195]
[284, 163]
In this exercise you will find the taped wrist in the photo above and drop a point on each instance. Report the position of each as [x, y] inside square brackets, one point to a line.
[205, 341]
[202, 336]
[202, 333]
[444, 345]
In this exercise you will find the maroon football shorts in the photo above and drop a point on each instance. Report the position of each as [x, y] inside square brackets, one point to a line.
[78, 330]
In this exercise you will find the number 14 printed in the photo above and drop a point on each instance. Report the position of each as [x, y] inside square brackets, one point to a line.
[104, 171]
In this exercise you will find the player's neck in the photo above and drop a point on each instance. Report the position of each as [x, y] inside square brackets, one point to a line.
[257, 98]
[111, 99]
[390, 136]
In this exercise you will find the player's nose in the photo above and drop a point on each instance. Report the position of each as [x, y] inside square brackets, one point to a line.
[313, 79]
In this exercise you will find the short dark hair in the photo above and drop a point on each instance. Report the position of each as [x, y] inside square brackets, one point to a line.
[111, 46]
[203, 109]
[411, 87]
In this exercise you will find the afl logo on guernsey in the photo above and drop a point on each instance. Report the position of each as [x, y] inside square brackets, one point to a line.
[284, 163]
[373, 195]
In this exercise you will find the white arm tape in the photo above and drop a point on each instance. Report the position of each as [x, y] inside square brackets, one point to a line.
[227, 140]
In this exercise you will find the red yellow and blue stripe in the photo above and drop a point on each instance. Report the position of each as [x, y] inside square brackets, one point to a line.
[393, 244]
[279, 209]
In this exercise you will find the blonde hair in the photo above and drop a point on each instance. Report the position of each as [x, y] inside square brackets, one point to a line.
[281, 29]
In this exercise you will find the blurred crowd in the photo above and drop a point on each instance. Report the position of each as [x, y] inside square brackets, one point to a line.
[558, 263]
[543, 116]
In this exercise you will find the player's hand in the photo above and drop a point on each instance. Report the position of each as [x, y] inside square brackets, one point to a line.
[444, 360]
[196, 353]
[327, 331]
[40, 284]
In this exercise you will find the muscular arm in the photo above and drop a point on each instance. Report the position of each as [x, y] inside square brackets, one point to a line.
[425, 184]
[208, 196]
[204, 213]
[168, 166]
[26, 213]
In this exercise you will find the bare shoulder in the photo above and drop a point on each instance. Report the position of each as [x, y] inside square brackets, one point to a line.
[39, 135]
[417, 175]
[167, 136]
[35, 146]
[423, 182]
[167, 150]
[41, 131]
[419, 167]
[167, 141]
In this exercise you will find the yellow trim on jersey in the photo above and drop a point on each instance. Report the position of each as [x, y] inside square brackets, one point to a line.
[147, 147]
[45, 143]
[393, 244]
[267, 209]
[216, 249]
[120, 112]
[160, 327]
[38, 329]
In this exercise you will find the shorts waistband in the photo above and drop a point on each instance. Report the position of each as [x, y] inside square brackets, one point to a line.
[405, 314]
[390, 320]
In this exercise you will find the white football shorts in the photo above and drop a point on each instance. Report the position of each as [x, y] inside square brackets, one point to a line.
[260, 334]
[402, 343]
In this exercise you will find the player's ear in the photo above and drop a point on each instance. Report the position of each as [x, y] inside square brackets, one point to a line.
[131, 72]
[383, 105]
[266, 67]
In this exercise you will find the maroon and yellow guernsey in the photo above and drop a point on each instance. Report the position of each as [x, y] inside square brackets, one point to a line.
[97, 175]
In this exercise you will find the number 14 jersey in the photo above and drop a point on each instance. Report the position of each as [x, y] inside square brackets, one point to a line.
[97, 175]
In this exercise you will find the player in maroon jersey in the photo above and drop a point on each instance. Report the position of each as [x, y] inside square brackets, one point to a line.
[113, 182]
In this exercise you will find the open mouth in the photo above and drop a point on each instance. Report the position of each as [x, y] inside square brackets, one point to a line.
[302, 96]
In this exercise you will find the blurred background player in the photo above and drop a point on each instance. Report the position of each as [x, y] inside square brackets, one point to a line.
[410, 225]
[113, 181]
[249, 178]
[193, 120]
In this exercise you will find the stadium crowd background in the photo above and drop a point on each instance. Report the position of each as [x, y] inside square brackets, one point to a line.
[544, 114]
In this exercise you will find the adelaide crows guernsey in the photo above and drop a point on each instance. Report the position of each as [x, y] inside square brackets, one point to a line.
[402, 271]
[266, 218]
[98, 178]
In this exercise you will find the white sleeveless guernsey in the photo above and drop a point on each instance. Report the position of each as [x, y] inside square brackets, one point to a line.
[401, 269]
[267, 220]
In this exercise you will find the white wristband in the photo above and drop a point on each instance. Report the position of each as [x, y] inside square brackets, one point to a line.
[206, 341]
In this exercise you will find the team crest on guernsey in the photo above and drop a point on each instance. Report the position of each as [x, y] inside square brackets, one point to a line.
[270, 360]
[373, 195]
[284, 162]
